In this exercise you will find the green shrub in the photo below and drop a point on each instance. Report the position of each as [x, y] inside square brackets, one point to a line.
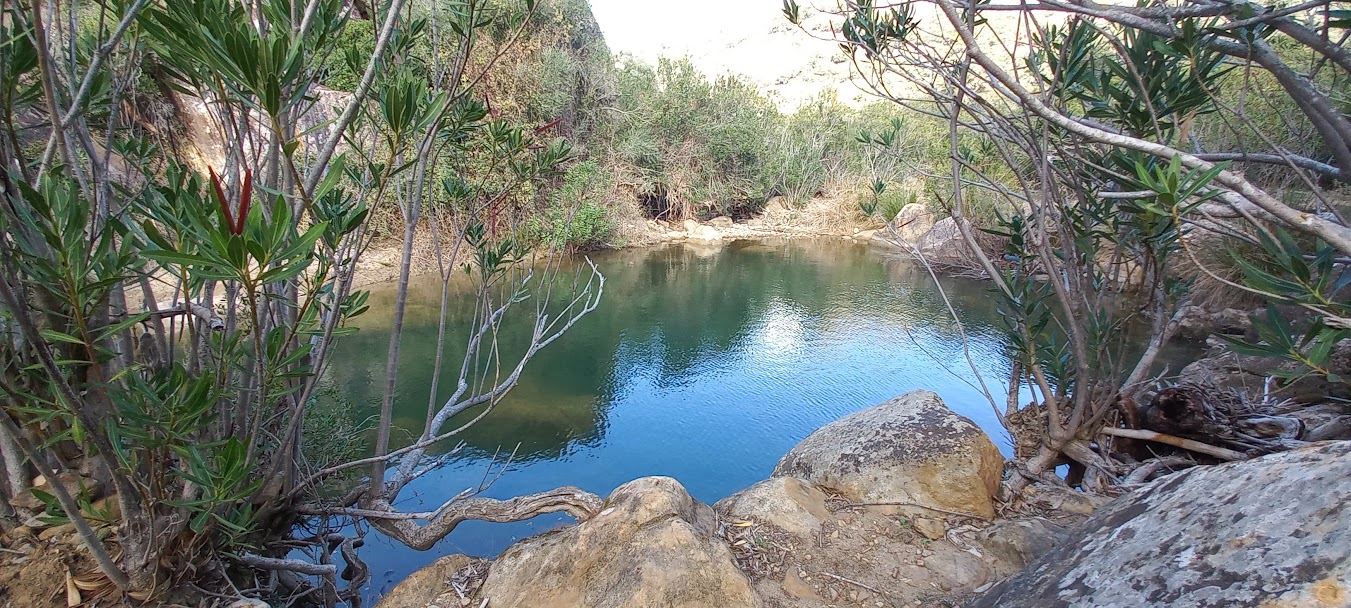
[893, 200]
[575, 217]
[555, 78]
[357, 39]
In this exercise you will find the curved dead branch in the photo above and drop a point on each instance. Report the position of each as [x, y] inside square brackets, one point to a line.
[402, 527]
[1186, 444]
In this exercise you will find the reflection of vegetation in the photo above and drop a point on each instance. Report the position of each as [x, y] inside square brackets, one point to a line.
[682, 310]
[332, 432]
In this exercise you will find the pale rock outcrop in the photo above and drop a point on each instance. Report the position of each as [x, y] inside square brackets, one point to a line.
[652, 545]
[786, 502]
[911, 449]
[699, 232]
[1266, 532]
[1251, 375]
[913, 222]
[1198, 322]
[721, 222]
[944, 244]
[705, 233]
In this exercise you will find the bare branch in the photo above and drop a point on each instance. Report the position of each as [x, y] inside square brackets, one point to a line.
[400, 526]
[1186, 444]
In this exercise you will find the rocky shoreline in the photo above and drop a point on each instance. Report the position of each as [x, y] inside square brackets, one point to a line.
[896, 505]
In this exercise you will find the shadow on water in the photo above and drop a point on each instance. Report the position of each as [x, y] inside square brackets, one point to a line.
[703, 363]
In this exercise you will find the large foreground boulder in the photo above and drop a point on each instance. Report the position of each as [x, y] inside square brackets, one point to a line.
[911, 449]
[652, 546]
[1274, 531]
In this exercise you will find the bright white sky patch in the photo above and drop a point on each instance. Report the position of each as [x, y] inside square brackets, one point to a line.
[649, 28]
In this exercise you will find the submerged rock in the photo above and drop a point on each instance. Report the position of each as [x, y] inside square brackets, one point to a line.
[911, 449]
[787, 502]
[653, 545]
[1266, 532]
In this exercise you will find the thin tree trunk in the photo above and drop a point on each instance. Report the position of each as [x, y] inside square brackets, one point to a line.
[377, 486]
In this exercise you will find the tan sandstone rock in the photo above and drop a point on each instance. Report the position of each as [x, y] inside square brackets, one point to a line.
[705, 233]
[1012, 544]
[652, 546]
[930, 528]
[910, 449]
[422, 588]
[913, 222]
[787, 502]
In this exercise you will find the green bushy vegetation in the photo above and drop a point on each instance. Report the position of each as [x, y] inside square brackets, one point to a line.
[200, 407]
[684, 144]
[342, 68]
[700, 147]
[893, 200]
[575, 216]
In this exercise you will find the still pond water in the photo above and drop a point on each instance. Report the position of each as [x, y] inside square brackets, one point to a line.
[704, 364]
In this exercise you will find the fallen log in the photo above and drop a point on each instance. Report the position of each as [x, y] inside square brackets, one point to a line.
[1186, 444]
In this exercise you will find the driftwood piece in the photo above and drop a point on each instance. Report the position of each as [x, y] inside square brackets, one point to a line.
[1147, 469]
[1210, 416]
[1186, 444]
[403, 527]
[1185, 411]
